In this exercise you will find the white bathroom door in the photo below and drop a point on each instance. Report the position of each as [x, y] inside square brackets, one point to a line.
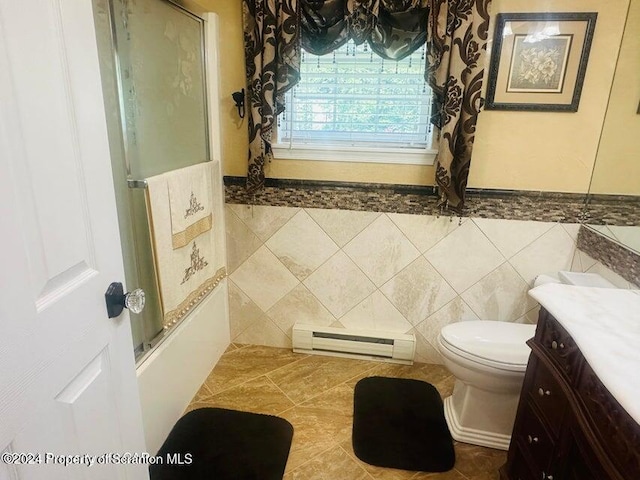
[68, 391]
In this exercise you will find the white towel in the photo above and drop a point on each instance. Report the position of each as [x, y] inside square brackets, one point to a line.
[186, 274]
[190, 201]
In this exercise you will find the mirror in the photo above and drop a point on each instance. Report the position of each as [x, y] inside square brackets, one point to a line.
[613, 202]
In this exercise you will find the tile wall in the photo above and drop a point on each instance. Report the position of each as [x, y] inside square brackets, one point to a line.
[386, 271]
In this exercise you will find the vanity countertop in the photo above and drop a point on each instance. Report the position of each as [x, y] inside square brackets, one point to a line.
[605, 324]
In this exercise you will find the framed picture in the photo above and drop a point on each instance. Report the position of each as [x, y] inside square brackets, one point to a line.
[539, 61]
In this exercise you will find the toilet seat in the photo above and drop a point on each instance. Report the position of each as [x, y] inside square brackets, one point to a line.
[500, 345]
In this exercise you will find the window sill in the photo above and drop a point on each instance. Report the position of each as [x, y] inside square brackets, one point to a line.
[327, 153]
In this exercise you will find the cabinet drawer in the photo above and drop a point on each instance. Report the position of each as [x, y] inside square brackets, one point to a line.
[558, 345]
[533, 439]
[548, 397]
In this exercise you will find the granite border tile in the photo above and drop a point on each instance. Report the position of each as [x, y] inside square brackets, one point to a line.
[416, 199]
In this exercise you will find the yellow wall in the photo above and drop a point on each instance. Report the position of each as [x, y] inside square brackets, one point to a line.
[232, 78]
[552, 151]
[514, 150]
[618, 164]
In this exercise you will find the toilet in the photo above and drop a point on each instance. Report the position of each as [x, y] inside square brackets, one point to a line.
[488, 359]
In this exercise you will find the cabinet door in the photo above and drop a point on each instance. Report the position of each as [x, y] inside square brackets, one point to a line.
[617, 430]
[581, 463]
[518, 467]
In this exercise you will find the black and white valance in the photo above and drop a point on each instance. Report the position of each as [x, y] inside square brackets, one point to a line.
[393, 28]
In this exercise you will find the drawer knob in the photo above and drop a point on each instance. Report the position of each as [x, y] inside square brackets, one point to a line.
[532, 440]
[542, 392]
[555, 345]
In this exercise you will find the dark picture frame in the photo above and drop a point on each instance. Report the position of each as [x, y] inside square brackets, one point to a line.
[539, 61]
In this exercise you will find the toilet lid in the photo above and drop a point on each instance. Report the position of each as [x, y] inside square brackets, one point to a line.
[497, 342]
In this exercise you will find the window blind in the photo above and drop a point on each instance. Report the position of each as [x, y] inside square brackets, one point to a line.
[353, 97]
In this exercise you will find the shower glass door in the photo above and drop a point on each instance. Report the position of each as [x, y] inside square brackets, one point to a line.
[152, 64]
[161, 59]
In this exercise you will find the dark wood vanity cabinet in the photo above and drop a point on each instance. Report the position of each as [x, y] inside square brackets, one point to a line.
[568, 425]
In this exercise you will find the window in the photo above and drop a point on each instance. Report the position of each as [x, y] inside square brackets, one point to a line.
[353, 105]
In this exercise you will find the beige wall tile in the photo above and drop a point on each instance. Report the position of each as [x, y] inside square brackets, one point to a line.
[339, 284]
[464, 256]
[550, 253]
[425, 351]
[424, 231]
[264, 279]
[428, 330]
[381, 250]
[342, 225]
[262, 331]
[511, 236]
[300, 306]
[501, 295]
[301, 245]
[241, 241]
[264, 221]
[572, 229]
[376, 313]
[242, 311]
[531, 317]
[266, 299]
[418, 290]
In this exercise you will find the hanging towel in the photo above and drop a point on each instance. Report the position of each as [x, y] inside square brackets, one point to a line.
[190, 201]
[185, 274]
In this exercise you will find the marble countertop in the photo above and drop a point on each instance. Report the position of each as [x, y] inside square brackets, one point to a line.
[605, 324]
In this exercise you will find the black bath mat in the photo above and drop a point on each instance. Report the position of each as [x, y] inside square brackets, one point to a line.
[220, 444]
[400, 423]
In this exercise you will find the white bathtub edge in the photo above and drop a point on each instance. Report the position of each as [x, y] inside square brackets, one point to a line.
[170, 377]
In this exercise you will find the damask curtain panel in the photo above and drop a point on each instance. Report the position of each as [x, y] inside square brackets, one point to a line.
[272, 58]
[457, 34]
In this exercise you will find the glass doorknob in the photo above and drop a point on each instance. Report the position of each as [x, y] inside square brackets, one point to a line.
[117, 300]
[134, 300]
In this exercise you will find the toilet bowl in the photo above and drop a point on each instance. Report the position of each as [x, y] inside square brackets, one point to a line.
[488, 359]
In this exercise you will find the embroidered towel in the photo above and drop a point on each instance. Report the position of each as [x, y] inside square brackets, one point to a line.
[186, 274]
[190, 200]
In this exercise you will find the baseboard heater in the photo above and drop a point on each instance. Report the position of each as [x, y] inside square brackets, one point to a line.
[373, 345]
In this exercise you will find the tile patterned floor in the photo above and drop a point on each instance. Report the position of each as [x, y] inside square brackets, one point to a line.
[315, 394]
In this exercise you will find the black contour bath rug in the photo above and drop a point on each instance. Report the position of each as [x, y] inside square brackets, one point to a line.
[399, 423]
[221, 444]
